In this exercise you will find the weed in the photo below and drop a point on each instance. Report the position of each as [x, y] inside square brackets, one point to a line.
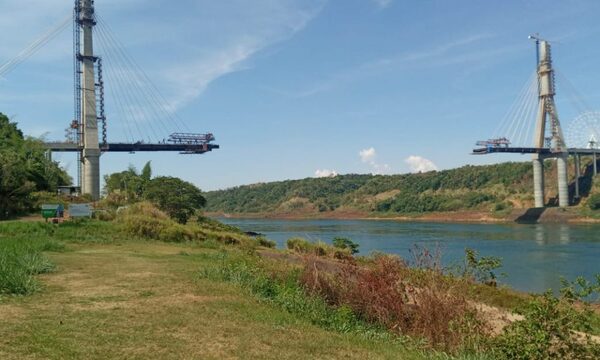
[22, 259]
[382, 293]
[549, 327]
[481, 268]
[264, 242]
[317, 248]
[283, 289]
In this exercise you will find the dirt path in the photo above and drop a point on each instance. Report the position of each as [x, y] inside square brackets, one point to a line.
[145, 301]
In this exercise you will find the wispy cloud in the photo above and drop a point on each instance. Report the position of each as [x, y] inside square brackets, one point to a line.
[419, 164]
[277, 22]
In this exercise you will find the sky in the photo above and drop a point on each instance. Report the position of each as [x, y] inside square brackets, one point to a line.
[307, 88]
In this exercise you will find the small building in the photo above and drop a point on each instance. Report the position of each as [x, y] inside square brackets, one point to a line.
[51, 211]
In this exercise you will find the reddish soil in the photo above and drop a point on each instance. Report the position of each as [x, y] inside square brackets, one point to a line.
[548, 215]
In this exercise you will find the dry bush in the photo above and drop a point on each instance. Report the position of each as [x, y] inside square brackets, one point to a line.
[381, 292]
[443, 315]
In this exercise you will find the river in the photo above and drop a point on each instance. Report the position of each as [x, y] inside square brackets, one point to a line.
[534, 257]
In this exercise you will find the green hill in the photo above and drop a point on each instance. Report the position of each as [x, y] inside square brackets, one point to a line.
[499, 187]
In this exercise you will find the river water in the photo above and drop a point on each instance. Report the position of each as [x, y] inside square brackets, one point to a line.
[534, 257]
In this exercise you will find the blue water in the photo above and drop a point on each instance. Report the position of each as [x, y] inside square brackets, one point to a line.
[534, 257]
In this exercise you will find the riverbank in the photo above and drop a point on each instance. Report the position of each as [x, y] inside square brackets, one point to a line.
[551, 215]
[106, 293]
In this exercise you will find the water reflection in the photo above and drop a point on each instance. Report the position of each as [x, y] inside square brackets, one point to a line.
[548, 234]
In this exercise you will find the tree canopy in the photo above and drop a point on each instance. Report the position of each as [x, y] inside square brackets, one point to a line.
[24, 169]
[465, 188]
[129, 182]
[180, 199]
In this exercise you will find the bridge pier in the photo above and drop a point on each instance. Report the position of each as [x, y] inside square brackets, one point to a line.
[538, 181]
[90, 183]
[595, 164]
[563, 182]
[577, 174]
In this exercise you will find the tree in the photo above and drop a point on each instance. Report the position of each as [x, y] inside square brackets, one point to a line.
[24, 169]
[129, 182]
[180, 199]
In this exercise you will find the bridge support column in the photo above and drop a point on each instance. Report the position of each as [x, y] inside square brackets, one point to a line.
[91, 148]
[595, 165]
[563, 185]
[538, 181]
[577, 174]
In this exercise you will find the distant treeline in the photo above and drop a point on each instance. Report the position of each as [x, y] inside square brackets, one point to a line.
[492, 187]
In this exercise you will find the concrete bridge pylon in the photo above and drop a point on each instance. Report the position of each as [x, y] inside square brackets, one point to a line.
[548, 122]
[90, 156]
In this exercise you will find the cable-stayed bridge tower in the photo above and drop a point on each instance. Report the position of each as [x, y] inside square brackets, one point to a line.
[90, 120]
[548, 139]
[547, 119]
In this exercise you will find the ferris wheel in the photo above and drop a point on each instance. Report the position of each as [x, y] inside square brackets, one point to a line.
[584, 131]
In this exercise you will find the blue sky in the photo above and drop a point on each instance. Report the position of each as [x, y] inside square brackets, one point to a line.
[300, 88]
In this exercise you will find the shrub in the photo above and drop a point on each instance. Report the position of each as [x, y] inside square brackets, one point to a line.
[501, 206]
[345, 243]
[284, 290]
[593, 202]
[104, 215]
[317, 248]
[481, 269]
[545, 333]
[553, 327]
[146, 221]
[264, 242]
[177, 233]
[382, 293]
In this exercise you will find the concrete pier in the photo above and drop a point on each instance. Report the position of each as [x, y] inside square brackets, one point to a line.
[577, 175]
[91, 148]
[563, 181]
[538, 181]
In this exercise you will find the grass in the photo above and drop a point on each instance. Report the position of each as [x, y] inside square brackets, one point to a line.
[143, 299]
[109, 292]
[21, 258]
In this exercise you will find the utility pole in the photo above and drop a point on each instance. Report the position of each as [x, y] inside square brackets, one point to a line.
[90, 157]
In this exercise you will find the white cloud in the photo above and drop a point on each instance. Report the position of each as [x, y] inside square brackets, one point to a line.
[369, 156]
[382, 3]
[420, 164]
[326, 173]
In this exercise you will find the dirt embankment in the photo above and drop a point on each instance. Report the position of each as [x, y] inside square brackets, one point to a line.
[551, 215]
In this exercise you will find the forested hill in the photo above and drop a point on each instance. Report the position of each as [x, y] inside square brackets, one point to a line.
[493, 187]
